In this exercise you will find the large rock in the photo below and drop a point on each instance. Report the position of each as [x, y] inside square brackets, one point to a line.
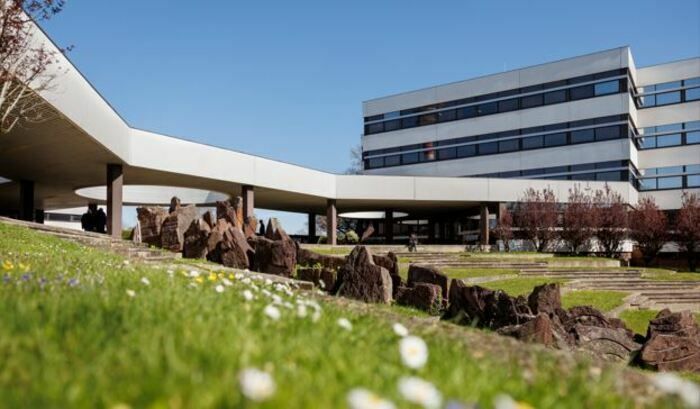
[493, 309]
[545, 298]
[610, 344]
[540, 330]
[361, 279]
[321, 276]
[274, 230]
[427, 274]
[672, 343]
[238, 210]
[216, 235]
[151, 222]
[234, 250]
[423, 296]
[174, 226]
[309, 258]
[277, 257]
[390, 262]
[250, 224]
[196, 236]
[226, 211]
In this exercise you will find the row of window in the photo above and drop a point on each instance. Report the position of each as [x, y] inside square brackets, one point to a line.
[611, 171]
[663, 136]
[669, 93]
[671, 177]
[512, 142]
[497, 95]
[495, 107]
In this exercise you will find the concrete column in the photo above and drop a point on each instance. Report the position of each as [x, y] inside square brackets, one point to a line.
[389, 226]
[312, 227]
[484, 224]
[331, 223]
[248, 194]
[26, 200]
[115, 183]
[499, 212]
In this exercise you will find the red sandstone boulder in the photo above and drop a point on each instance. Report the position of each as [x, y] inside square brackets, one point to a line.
[250, 224]
[234, 250]
[361, 279]
[427, 274]
[309, 258]
[423, 296]
[196, 236]
[226, 211]
[545, 298]
[672, 343]
[174, 226]
[275, 256]
[607, 343]
[322, 277]
[151, 221]
[540, 330]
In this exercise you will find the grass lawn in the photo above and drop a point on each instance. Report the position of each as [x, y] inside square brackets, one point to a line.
[454, 272]
[519, 286]
[602, 300]
[334, 251]
[81, 328]
[667, 275]
[638, 320]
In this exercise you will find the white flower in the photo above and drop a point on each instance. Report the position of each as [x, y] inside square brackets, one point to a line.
[131, 293]
[226, 282]
[266, 292]
[671, 383]
[301, 311]
[170, 273]
[400, 330]
[360, 398]
[272, 312]
[246, 281]
[247, 295]
[345, 324]
[276, 299]
[316, 316]
[256, 385]
[420, 392]
[268, 282]
[414, 351]
[194, 274]
[145, 281]
[219, 288]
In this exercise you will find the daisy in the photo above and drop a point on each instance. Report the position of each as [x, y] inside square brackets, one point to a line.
[400, 330]
[414, 351]
[302, 311]
[227, 282]
[256, 385]
[145, 281]
[131, 293]
[360, 398]
[219, 288]
[345, 324]
[247, 295]
[272, 312]
[671, 383]
[194, 274]
[420, 392]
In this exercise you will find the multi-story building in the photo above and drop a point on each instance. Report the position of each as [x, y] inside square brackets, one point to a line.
[596, 117]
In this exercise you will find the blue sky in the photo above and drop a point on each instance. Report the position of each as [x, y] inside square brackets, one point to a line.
[286, 79]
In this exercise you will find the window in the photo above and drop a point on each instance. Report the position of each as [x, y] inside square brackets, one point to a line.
[585, 91]
[668, 85]
[508, 105]
[583, 176]
[393, 160]
[605, 88]
[466, 112]
[648, 100]
[668, 140]
[609, 176]
[675, 182]
[448, 115]
[392, 125]
[694, 181]
[487, 109]
[408, 158]
[427, 119]
[669, 170]
[410, 122]
[608, 132]
[583, 135]
[488, 148]
[374, 128]
[555, 97]
[531, 101]
[692, 94]
[692, 82]
[668, 98]
[533, 142]
[508, 146]
[692, 137]
[428, 156]
[555, 139]
[447, 153]
[647, 143]
[376, 163]
[647, 184]
[466, 151]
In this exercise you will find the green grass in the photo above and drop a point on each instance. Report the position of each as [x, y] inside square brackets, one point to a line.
[602, 300]
[328, 250]
[519, 286]
[70, 336]
[638, 320]
[666, 275]
[454, 272]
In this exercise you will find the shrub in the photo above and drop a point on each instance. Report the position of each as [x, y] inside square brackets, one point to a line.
[688, 228]
[610, 221]
[536, 216]
[649, 228]
[351, 237]
[578, 220]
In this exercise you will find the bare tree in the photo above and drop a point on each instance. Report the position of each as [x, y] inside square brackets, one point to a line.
[610, 220]
[504, 229]
[24, 62]
[578, 220]
[649, 228]
[536, 216]
[356, 163]
[688, 228]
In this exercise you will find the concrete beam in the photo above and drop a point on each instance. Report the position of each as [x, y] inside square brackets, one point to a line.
[115, 184]
[248, 193]
[331, 223]
[26, 200]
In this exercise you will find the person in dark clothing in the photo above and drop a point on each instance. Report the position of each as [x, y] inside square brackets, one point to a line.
[101, 221]
[262, 228]
[89, 220]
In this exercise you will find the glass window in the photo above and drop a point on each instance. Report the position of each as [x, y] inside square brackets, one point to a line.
[533, 142]
[487, 108]
[607, 132]
[408, 158]
[691, 82]
[692, 94]
[555, 97]
[692, 137]
[376, 163]
[410, 122]
[675, 182]
[508, 146]
[583, 135]
[694, 181]
[447, 153]
[427, 119]
[669, 128]
[374, 128]
[609, 87]
[647, 184]
[428, 156]
[668, 140]
[585, 166]
[583, 176]
[669, 170]
[647, 100]
[609, 176]
[531, 101]
[555, 139]
[508, 105]
[393, 114]
[488, 148]
[668, 85]
[668, 98]
[392, 125]
[647, 143]
[585, 91]
[448, 115]
[466, 151]
[466, 112]
[692, 125]
[393, 160]
[692, 168]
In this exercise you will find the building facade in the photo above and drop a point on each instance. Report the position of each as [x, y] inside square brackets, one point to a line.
[590, 118]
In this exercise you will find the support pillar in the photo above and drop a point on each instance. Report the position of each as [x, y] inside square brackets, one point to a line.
[115, 184]
[499, 212]
[312, 227]
[26, 200]
[484, 224]
[39, 216]
[389, 226]
[331, 223]
[248, 193]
